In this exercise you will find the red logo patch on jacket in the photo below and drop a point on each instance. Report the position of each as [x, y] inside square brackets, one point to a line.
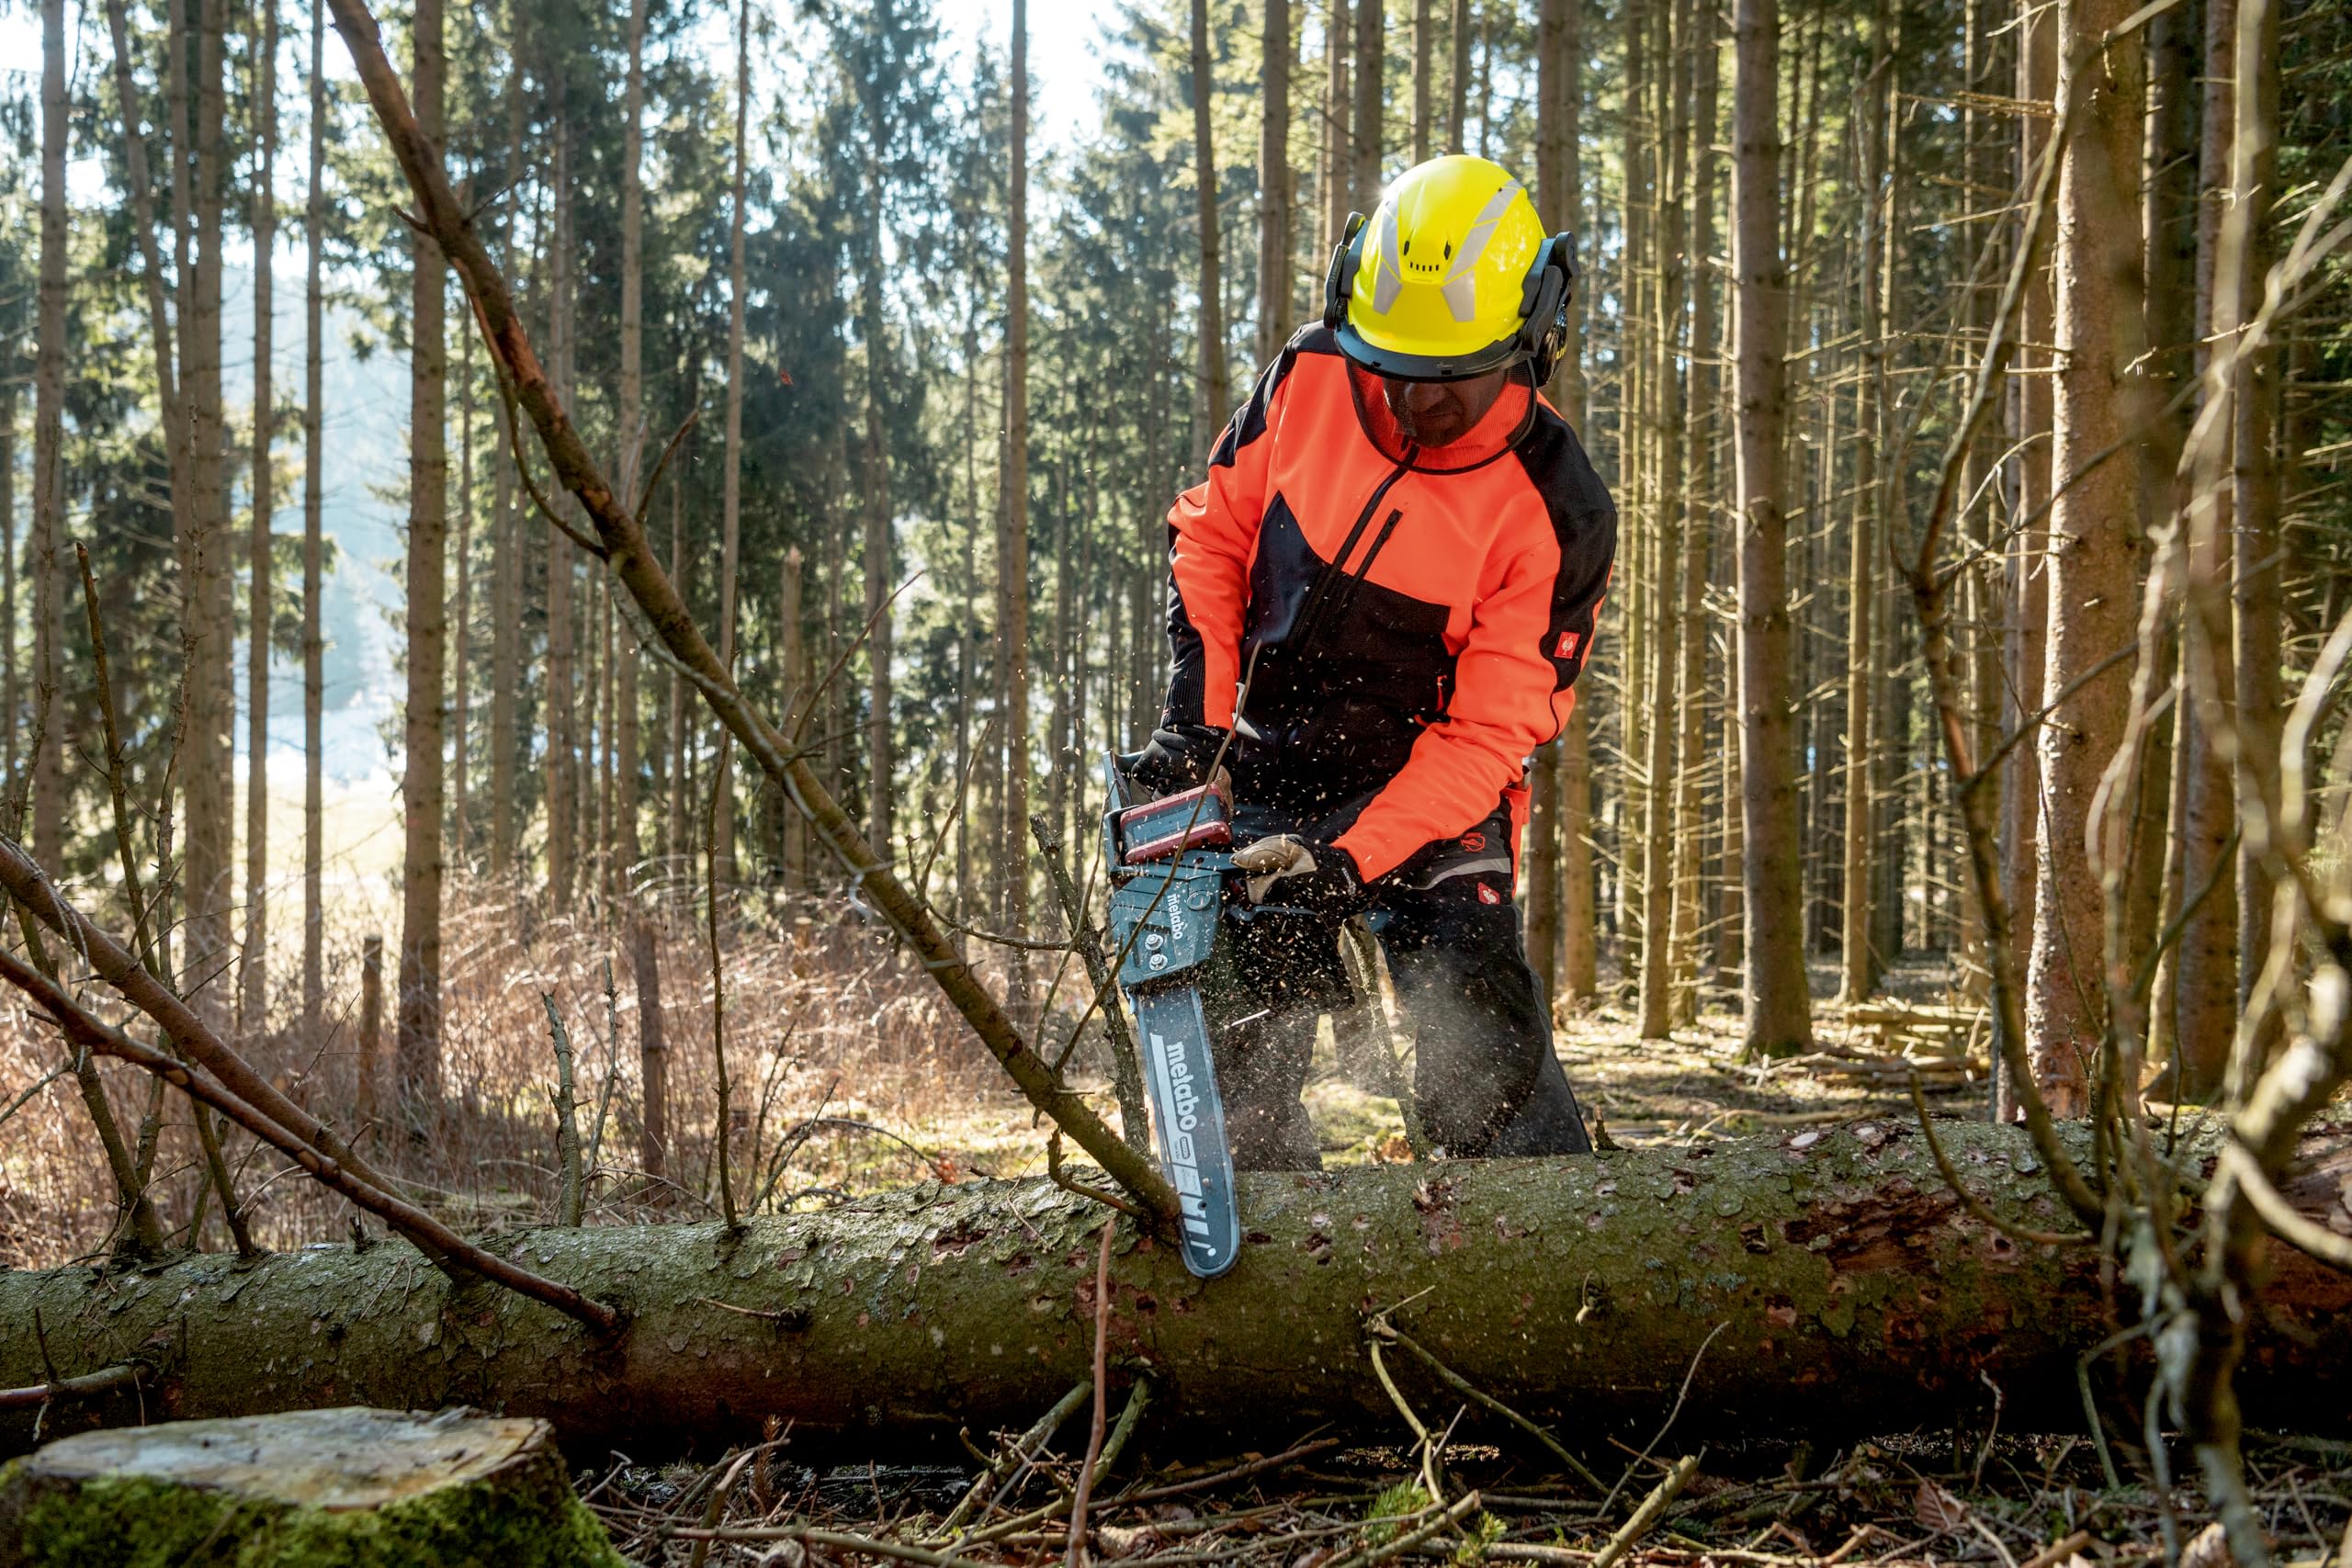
[1569, 644]
[1473, 841]
[1486, 894]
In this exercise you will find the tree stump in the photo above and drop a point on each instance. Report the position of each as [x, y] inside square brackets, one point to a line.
[347, 1488]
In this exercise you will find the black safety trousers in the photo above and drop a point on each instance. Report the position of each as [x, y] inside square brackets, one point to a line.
[1485, 1073]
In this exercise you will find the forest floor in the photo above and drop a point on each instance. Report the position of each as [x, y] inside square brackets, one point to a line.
[1689, 1087]
[1914, 1500]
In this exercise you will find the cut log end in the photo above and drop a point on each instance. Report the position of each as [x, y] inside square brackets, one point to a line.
[307, 1489]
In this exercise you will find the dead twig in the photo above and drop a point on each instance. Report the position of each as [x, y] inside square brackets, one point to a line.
[429, 1233]
[82, 1387]
[1101, 1401]
[1647, 1512]
[1480, 1397]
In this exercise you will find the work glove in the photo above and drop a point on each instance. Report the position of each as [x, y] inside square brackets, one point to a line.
[1177, 757]
[1304, 874]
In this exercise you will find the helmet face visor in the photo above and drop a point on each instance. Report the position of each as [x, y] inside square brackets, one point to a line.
[1396, 366]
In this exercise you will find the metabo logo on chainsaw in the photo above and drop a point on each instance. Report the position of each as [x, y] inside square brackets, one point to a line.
[1168, 869]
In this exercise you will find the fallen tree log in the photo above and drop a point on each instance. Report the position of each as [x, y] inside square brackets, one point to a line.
[1854, 1292]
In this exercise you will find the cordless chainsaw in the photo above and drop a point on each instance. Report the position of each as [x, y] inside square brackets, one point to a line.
[1169, 869]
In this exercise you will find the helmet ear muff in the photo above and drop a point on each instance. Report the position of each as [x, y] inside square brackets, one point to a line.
[1544, 326]
[1338, 283]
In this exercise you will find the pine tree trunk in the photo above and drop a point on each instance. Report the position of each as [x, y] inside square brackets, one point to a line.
[1832, 1284]
[207, 762]
[252, 969]
[417, 1029]
[1664, 728]
[2093, 532]
[881, 759]
[2028, 638]
[1013, 563]
[1337, 142]
[1422, 53]
[2255, 537]
[731, 550]
[635, 439]
[49, 449]
[1217, 384]
[1457, 113]
[1636, 476]
[792, 667]
[9, 696]
[461, 610]
[1858, 965]
[1370, 83]
[2168, 229]
[2205, 991]
[1274, 283]
[562, 787]
[507, 546]
[314, 923]
[1779, 1014]
[1698, 462]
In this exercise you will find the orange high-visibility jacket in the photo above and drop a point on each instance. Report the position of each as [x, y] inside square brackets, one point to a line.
[1409, 623]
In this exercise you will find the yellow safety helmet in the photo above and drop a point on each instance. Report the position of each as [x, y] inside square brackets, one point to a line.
[1453, 277]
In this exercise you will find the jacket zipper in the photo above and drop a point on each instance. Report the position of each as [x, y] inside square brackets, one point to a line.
[1311, 620]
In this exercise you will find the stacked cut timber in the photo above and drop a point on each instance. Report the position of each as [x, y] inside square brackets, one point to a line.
[1852, 1289]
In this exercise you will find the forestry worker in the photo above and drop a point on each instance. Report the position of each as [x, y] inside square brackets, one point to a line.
[1382, 595]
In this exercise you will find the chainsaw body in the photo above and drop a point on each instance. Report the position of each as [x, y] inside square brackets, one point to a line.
[1170, 876]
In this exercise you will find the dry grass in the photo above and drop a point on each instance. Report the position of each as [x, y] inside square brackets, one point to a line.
[849, 1074]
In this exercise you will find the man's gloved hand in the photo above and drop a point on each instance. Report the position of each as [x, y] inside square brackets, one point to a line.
[1177, 757]
[1305, 873]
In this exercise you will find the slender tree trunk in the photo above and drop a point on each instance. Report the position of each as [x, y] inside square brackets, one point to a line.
[2205, 991]
[2256, 537]
[792, 660]
[562, 787]
[1548, 897]
[48, 448]
[1457, 109]
[1217, 388]
[1698, 461]
[881, 747]
[730, 553]
[2168, 229]
[417, 1037]
[1274, 186]
[1422, 53]
[507, 547]
[2094, 534]
[1664, 731]
[253, 970]
[1012, 564]
[679, 735]
[9, 696]
[1858, 966]
[1338, 143]
[1370, 83]
[1635, 473]
[314, 923]
[2028, 639]
[207, 763]
[634, 438]
[461, 613]
[1779, 1016]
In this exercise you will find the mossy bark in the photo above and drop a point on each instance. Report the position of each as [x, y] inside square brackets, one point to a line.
[346, 1488]
[1853, 1290]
